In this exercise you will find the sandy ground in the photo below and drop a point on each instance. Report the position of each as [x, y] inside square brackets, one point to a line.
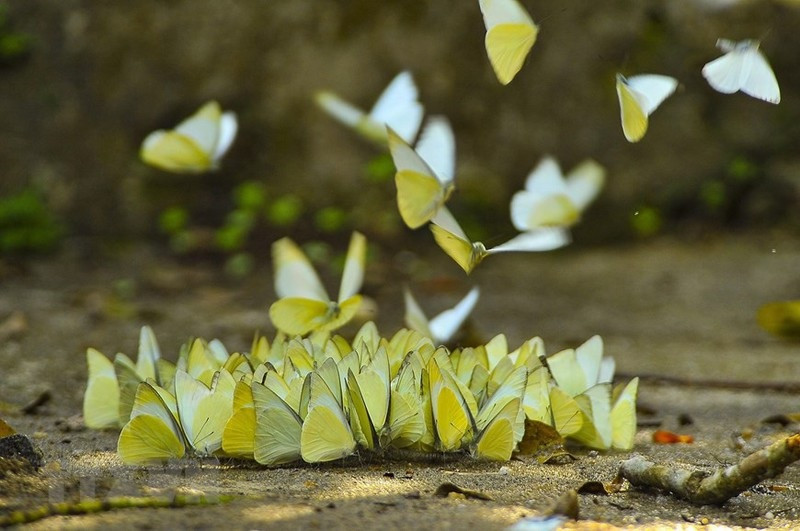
[684, 310]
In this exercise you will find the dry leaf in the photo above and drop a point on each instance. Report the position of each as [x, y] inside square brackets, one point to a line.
[446, 489]
[542, 441]
[5, 429]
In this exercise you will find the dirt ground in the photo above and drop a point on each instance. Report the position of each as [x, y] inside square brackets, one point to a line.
[675, 309]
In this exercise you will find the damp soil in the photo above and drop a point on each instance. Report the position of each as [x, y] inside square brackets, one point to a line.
[678, 313]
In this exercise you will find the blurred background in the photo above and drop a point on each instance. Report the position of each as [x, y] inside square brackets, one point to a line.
[83, 82]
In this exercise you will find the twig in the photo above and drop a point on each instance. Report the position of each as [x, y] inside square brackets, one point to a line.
[700, 488]
[110, 504]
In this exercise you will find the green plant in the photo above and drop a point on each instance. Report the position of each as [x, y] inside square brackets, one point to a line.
[27, 225]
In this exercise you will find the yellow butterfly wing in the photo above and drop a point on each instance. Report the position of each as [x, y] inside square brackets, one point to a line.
[497, 440]
[239, 433]
[326, 434]
[278, 428]
[451, 415]
[174, 152]
[406, 424]
[623, 417]
[146, 440]
[128, 381]
[566, 415]
[419, 196]
[780, 318]
[101, 399]
[456, 248]
[507, 46]
[298, 316]
[633, 116]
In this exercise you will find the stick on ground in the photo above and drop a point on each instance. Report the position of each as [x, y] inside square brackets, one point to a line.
[701, 488]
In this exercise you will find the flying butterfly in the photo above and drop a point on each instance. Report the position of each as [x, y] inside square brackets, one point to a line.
[304, 305]
[425, 174]
[196, 145]
[468, 254]
[638, 97]
[443, 326]
[397, 107]
[550, 199]
[510, 34]
[743, 67]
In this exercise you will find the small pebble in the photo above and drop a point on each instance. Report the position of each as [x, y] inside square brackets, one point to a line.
[592, 453]
[769, 515]
[504, 471]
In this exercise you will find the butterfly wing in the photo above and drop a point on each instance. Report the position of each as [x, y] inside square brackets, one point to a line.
[294, 275]
[228, 127]
[101, 399]
[278, 428]
[456, 247]
[437, 147]
[632, 113]
[497, 441]
[544, 239]
[447, 323]
[353, 273]
[760, 82]
[398, 107]
[510, 34]
[623, 417]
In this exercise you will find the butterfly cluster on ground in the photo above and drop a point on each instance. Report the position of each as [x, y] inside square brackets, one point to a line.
[321, 398]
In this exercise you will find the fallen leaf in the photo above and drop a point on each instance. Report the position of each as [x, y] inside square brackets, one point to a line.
[445, 489]
[5, 429]
[542, 441]
[668, 437]
[784, 419]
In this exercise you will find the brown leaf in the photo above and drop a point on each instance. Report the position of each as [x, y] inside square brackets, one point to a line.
[5, 429]
[542, 441]
[446, 489]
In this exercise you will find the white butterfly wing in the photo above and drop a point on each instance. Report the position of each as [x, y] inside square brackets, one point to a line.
[228, 126]
[760, 81]
[203, 127]
[585, 182]
[437, 147]
[724, 74]
[404, 156]
[398, 107]
[414, 317]
[545, 239]
[447, 323]
[353, 274]
[546, 178]
[653, 89]
[503, 12]
[338, 108]
[444, 218]
[294, 275]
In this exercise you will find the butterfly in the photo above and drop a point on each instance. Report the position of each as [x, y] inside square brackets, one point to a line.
[443, 327]
[425, 174]
[164, 426]
[239, 433]
[326, 433]
[743, 67]
[550, 199]
[278, 428]
[623, 415]
[452, 414]
[639, 96]
[304, 305]
[101, 399]
[196, 145]
[467, 254]
[397, 107]
[510, 34]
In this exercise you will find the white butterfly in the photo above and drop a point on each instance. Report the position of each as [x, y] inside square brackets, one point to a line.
[639, 96]
[397, 107]
[444, 326]
[743, 68]
[550, 199]
[468, 254]
[196, 145]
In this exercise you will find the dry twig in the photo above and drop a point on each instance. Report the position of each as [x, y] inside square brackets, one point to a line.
[701, 488]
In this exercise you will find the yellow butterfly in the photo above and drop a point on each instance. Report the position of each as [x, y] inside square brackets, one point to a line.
[497, 440]
[467, 254]
[451, 415]
[196, 145]
[326, 433]
[278, 428]
[153, 433]
[305, 305]
[425, 174]
[638, 97]
[623, 415]
[239, 433]
[397, 107]
[101, 400]
[550, 199]
[510, 34]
